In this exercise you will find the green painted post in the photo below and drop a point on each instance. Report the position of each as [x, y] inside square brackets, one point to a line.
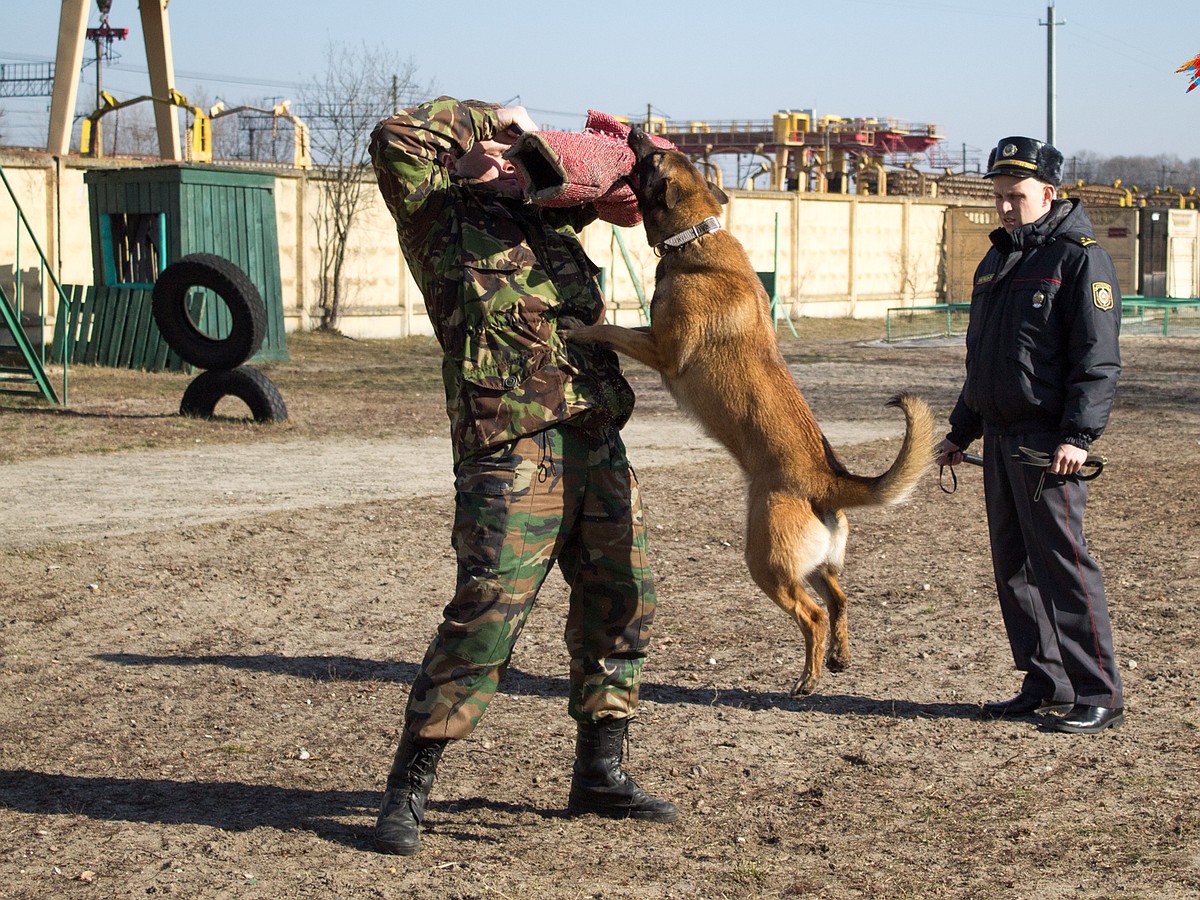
[637, 284]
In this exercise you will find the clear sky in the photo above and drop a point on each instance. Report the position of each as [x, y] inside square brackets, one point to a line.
[975, 69]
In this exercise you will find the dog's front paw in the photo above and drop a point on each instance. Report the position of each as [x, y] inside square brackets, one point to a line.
[805, 685]
[572, 329]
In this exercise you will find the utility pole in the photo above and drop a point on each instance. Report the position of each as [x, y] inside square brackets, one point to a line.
[1051, 85]
[104, 35]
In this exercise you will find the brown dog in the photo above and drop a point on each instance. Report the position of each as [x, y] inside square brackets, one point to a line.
[714, 343]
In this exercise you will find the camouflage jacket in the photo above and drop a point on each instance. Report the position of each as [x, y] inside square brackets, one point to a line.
[496, 274]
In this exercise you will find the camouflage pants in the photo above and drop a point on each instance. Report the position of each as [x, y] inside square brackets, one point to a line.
[563, 496]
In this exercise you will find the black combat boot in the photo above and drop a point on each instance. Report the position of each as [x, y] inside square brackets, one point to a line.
[599, 785]
[398, 828]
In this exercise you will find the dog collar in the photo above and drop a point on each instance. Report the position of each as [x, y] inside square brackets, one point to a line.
[675, 241]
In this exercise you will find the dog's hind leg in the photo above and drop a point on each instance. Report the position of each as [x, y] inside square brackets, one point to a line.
[824, 583]
[814, 623]
[784, 543]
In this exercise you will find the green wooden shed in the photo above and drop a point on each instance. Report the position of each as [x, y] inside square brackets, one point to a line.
[142, 220]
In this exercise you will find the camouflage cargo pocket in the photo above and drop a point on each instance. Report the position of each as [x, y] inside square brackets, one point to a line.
[485, 487]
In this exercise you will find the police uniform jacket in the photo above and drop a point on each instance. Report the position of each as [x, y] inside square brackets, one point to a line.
[1042, 343]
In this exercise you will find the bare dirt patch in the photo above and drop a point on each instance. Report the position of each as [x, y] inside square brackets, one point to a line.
[208, 629]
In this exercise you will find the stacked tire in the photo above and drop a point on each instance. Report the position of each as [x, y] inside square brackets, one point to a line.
[223, 359]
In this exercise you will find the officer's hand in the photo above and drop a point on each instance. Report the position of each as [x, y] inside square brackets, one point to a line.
[948, 454]
[1068, 459]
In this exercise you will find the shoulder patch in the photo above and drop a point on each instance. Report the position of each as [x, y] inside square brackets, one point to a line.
[1102, 294]
[984, 279]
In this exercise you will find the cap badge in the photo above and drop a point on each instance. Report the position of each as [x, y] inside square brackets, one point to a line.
[1009, 150]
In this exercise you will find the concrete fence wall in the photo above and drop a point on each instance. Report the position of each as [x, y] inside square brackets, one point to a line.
[835, 255]
[1183, 253]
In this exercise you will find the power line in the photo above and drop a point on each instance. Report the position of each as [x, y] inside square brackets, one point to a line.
[224, 79]
[189, 74]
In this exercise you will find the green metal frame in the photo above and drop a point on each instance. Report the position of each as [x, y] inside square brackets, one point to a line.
[637, 282]
[34, 370]
[770, 283]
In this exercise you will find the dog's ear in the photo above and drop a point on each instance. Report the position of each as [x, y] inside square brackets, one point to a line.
[672, 194]
[717, 193]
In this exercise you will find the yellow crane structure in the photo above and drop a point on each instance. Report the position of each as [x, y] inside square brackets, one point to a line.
[200, 140]
[72, 36]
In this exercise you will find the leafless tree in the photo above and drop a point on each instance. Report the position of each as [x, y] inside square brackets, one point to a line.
[130, 131]
[227, 140]
[911, 274]
[1144, 172]
[360, 85]
[250, 129]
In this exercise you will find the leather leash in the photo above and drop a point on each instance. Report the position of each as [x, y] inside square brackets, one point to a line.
[1028, 457]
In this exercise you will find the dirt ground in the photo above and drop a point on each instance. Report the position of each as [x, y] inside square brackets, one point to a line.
[208, 631]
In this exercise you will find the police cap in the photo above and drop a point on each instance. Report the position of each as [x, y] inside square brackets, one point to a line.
[1024, 157]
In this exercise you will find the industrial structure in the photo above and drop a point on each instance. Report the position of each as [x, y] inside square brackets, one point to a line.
[803, 151]
[64, 76]
[72, 34]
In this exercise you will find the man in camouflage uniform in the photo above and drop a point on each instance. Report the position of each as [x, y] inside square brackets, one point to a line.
[540, 470]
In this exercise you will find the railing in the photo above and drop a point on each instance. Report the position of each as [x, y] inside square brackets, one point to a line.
[1160, 315]
[939, 320]
[1139, 315]
[47, 275]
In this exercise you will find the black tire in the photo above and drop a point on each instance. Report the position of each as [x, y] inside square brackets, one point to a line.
[246, 309]
[249, 385]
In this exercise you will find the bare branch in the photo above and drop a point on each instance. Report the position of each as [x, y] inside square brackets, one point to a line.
[360, 86]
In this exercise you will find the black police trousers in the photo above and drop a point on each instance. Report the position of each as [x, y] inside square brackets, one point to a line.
[1051, 590]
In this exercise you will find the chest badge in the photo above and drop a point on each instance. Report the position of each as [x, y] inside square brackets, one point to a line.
[1038, 299]
[1102, 295]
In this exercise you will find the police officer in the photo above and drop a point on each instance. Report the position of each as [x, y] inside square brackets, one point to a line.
[541, 475]
[1042, 368]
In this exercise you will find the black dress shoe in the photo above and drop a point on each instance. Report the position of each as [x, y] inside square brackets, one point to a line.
[1022, 705]
[1083, 719]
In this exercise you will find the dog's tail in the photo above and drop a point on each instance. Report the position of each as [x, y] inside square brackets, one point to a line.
[914, 460]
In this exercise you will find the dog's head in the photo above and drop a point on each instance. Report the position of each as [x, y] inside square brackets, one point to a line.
[671, 193]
